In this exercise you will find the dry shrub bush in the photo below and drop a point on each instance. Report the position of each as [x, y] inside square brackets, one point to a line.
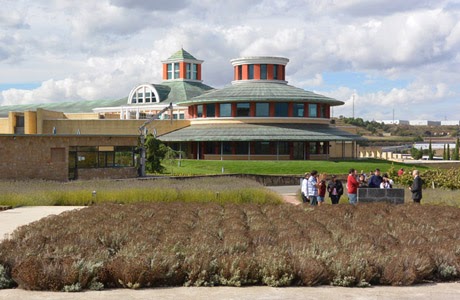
[207, 244]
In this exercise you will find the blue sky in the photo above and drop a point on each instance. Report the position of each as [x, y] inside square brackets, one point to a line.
[392, 55]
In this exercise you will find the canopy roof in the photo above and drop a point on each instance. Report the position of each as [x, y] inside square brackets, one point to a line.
[258, 132]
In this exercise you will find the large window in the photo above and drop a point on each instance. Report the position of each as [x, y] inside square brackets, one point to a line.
[242, 109]
[262, 148]
[210, 110]
[176, 71]
[170, 71]
[262, 109]
[275, 72]
[199, 111]
[101, 157]
[263, 71]
[281, 109]
[240, 72]
[191, 71]
[312, 110]
[143, 94]
[298, 109]
[241, 147]
[225, 110]
[323, 111]
[312, 148]
[283, 148]
[251, 71]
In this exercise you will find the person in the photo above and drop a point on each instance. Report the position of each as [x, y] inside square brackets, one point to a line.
[335, 190]
[386, 183]
[362, 181]
[352, 186]
[303, 188]
[375, 180]
[321, 189]
[416, 187]
[401, 172]
[312, 188]
[363, 174]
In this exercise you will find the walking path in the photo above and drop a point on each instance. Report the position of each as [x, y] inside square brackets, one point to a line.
[13, 218]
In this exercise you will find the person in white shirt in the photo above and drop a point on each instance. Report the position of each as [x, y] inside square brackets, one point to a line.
[304, 189]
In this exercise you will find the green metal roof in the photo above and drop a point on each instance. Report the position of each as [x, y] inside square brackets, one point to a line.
[66, 107]
[259, 132]
[261, 91]
[180, 55]
[180, 90]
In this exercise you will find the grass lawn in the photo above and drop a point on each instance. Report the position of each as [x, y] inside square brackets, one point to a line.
[195, 167]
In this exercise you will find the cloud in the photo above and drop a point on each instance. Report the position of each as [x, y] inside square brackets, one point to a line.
[160, 5]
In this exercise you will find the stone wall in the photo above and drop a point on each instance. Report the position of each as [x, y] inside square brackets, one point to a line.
[371, 195]
[107, 173]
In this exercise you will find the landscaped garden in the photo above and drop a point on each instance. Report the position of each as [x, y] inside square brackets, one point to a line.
[225, 231]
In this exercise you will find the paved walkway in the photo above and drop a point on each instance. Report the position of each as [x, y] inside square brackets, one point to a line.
[11, 219]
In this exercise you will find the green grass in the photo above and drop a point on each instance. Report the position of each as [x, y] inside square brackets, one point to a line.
[200, 167]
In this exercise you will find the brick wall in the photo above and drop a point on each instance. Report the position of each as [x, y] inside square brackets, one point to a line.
[370, 195]
[46, 157]
[107, 173]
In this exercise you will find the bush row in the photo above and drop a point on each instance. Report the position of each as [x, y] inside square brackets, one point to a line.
[207, 244]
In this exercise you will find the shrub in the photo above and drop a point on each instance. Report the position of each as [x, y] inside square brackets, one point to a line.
[5, 278]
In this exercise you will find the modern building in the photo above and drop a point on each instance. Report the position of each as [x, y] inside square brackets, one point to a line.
[394, 122]
[257, 116]
[424, 123]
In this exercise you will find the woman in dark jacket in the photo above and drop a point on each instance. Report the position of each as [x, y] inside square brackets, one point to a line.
[335, 189]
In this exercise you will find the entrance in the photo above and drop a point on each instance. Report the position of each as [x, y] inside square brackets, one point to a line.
[299, 150]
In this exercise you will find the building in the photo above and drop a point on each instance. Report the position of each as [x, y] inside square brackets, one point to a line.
[258, 116]
[394, 122]
[424, 123]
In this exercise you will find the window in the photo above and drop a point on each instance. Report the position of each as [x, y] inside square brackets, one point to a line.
[275, 72]
[262, 148]
[170, 71]
[199, 111]
[263, 71]
[240, 72]
[281, 109]
[323, 111]
[227, 148]
[312, 110]
[283, 148]
[298, 110]
[225, 110]
[250, 71]
[210, 110]
[262, 109]
[188, 71]
[241, 147]
[140, 97]
[313, 147]
[194, 72]
[143, 94]
[176, 71]
[242, 109]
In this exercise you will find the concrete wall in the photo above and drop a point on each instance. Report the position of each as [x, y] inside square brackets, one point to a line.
[47, 157]
[42, 115]
[4, 126]
[103, 126]
[30, 122]
[342, 150]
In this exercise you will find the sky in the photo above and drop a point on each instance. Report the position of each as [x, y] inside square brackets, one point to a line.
[384, 58]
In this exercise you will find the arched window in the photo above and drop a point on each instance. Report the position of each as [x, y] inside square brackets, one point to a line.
[143, 94]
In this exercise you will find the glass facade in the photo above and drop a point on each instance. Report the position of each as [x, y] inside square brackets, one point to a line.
[199, 111]
[262, 109]
[281, 109]
[275, 72]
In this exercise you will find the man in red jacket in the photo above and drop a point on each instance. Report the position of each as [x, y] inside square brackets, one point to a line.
[352, 186]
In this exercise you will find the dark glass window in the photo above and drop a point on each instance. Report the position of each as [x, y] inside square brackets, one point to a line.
[298, 109]
[188, 71]
[262, 109]
[241, 147]
[262, 148]
[240, 72]
[242, 109]
[283, 148]
[194, 71]
[199, 111]
[210, 110]
[263, 71]
[313, 147]
[323, 111]
[227, 148]
[312, 110]
[275, 72]
[281, 109]
[225, 110]
[250, 71]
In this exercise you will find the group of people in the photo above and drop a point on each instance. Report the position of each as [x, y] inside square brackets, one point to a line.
[314, 186]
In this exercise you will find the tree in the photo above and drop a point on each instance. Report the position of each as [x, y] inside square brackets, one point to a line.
[155, 151]
[415, 153]
[444, 154]
[455, 155]
[448, 152]
[430, 151]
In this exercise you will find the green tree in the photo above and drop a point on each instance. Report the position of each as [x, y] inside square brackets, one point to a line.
[416, 153]
[155, 151]
[430, 151]
[448, 152]
[444, 154]
[455, 155]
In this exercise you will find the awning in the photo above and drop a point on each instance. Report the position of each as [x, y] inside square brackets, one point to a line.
[259, 132]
